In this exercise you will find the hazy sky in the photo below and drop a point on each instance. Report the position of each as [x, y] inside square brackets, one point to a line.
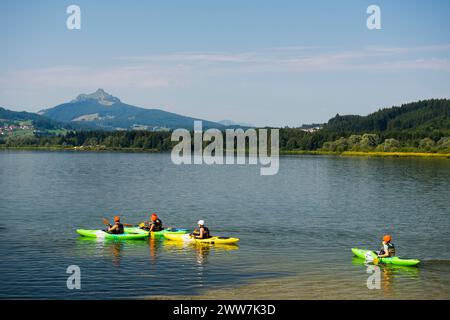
[264, 62]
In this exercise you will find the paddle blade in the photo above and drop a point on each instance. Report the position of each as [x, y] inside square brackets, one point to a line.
[370, 257]
[105, 221]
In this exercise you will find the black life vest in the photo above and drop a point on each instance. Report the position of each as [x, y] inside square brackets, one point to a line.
[119, 230]
[206, 233]
[390, 248]
[157, 225]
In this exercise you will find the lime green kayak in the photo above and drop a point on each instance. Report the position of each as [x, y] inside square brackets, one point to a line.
[360, 253]
[211, 240]
[155, 234]
[100, 234]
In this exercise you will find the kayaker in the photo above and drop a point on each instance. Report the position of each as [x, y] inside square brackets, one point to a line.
[117, 228]
[155, 224]
[388, 249]
[202, 232]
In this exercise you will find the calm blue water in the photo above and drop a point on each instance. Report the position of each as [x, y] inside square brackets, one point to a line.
[299, 224]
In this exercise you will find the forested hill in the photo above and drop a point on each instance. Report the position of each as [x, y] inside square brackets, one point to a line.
[17, 115]
[422, 126]
[38, 121]
[426, 115]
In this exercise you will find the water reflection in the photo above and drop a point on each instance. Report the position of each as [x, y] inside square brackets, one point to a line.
[201, 251]
[154, 245]
[115, 249]
[389, 274]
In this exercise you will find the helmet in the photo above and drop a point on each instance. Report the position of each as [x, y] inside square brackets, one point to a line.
[116, 219]
[201, 222]
[387, 238]
[154, 216]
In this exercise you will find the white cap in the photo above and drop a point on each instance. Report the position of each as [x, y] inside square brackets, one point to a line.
[201, 222]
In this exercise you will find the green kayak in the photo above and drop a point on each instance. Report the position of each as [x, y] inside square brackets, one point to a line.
[156, 233]
[360, 253]
[100, 234]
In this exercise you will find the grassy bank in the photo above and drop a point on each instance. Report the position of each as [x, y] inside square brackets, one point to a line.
[394, 154]
[308, 152]
[367, 153]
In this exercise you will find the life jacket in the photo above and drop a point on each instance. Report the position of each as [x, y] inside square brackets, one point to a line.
[119, 230]
[147, 224]
[157, 225]
[390, 248]
[206, 233]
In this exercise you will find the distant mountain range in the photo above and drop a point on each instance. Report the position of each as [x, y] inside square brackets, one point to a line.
[100, 110]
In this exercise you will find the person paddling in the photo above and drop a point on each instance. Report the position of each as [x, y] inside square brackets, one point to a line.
[155, 224]
[388, 249]
[117, 228]
[202, 232]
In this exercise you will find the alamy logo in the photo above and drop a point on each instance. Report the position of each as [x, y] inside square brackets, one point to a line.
[74, 280]
[186, 152]
[374, 280]
[374, 20]
[73, 21]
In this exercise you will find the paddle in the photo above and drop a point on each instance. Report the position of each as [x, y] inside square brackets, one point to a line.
[369, 257]
[106, 222]
[375, 259]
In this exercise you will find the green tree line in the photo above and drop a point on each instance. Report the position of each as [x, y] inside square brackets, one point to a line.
[291, 139]
[418, 126]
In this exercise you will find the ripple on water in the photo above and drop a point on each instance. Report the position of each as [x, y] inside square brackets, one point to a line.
[296, 227]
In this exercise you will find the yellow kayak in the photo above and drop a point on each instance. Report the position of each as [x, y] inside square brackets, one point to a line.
[211, 240]
[178, 245]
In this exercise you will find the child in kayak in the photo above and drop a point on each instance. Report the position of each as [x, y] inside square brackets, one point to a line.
[388, 249]
[202, 232]
[117, 228]
[154, 225]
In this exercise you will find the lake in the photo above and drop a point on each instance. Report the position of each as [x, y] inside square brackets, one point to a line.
[296, 227]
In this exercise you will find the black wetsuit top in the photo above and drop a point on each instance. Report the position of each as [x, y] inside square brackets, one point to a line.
[206, 233]
[117, 231]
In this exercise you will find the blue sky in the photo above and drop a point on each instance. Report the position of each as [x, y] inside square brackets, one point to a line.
[264, 62]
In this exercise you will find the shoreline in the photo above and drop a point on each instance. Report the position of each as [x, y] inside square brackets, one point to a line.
[395, 154]
[369, 154]
[303, 287]
[282, 152]
[76, 149]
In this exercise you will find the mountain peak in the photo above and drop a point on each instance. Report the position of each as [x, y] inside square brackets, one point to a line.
[100, 96]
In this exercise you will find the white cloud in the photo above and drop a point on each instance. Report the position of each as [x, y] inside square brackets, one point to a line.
[181, 68]
[146, 77]
[309, 59]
